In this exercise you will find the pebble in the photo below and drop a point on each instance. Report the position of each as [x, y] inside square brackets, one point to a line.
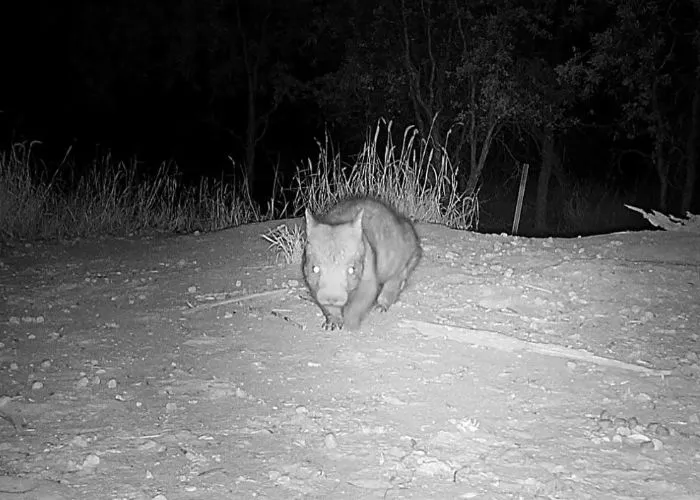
[330, 442]
[91, 461]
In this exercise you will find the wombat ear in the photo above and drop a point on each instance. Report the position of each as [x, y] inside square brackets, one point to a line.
[310, 220]
[357, 221]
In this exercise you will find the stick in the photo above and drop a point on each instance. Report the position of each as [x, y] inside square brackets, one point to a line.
[521, 195]
[211, 305]
[504, 343]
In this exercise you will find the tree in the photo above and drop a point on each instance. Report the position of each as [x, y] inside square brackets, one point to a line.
[639, 60]
[447, 67]
[692, 145]
[247, 67]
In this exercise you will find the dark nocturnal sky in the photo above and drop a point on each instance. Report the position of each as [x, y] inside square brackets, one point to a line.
[172, 79]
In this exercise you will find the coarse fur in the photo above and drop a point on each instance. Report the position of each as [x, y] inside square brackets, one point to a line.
[360, 253]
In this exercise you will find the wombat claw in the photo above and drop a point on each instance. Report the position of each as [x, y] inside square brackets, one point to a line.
[331, 325]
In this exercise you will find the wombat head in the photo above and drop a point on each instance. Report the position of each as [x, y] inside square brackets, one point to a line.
[333, 259]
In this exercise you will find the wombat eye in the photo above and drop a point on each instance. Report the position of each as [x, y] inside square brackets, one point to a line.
[316, 269]
[351, 270]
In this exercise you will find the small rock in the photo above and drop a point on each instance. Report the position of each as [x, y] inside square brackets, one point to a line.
[148, 445]
[646, 445]
[638, 438]
[330, 442]
[623, 431]
[605, 424]
[91, 461]
[663, 431]
[434, 467]
[79, 441]
[619, 422]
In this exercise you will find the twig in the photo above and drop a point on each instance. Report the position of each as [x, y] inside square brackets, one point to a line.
[211, 305]
[504, 343]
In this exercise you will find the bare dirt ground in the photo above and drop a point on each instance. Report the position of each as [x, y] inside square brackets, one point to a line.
[120, 380]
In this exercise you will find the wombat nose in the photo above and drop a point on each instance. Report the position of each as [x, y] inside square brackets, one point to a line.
[332, 299]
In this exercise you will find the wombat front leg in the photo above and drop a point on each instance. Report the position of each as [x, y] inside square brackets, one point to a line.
[334, 318]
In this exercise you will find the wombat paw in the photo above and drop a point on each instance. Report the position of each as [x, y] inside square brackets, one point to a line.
[332, 324]
[382, 308]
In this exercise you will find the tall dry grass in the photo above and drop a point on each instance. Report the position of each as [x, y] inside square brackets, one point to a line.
[416, 178]
[109, 198]
[114, 198]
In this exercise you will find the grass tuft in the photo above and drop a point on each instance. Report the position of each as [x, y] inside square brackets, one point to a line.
[416, 178]
[287, 243]
[110, 198]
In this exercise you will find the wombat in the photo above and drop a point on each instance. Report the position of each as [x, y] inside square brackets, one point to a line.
[360, 253]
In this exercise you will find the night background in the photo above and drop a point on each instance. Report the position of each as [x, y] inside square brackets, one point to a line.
[600, 98]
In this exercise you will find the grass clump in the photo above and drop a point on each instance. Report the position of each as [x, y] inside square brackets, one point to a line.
[110, 198]
[288, 243]
[416, 178]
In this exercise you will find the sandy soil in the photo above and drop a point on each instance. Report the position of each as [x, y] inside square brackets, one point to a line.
[120, 379]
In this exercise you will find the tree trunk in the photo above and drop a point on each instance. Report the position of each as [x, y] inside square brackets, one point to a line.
[661, 166]
[477, 166]
[659, 155]
[549, 160]
[691, 148]
[250, 139]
